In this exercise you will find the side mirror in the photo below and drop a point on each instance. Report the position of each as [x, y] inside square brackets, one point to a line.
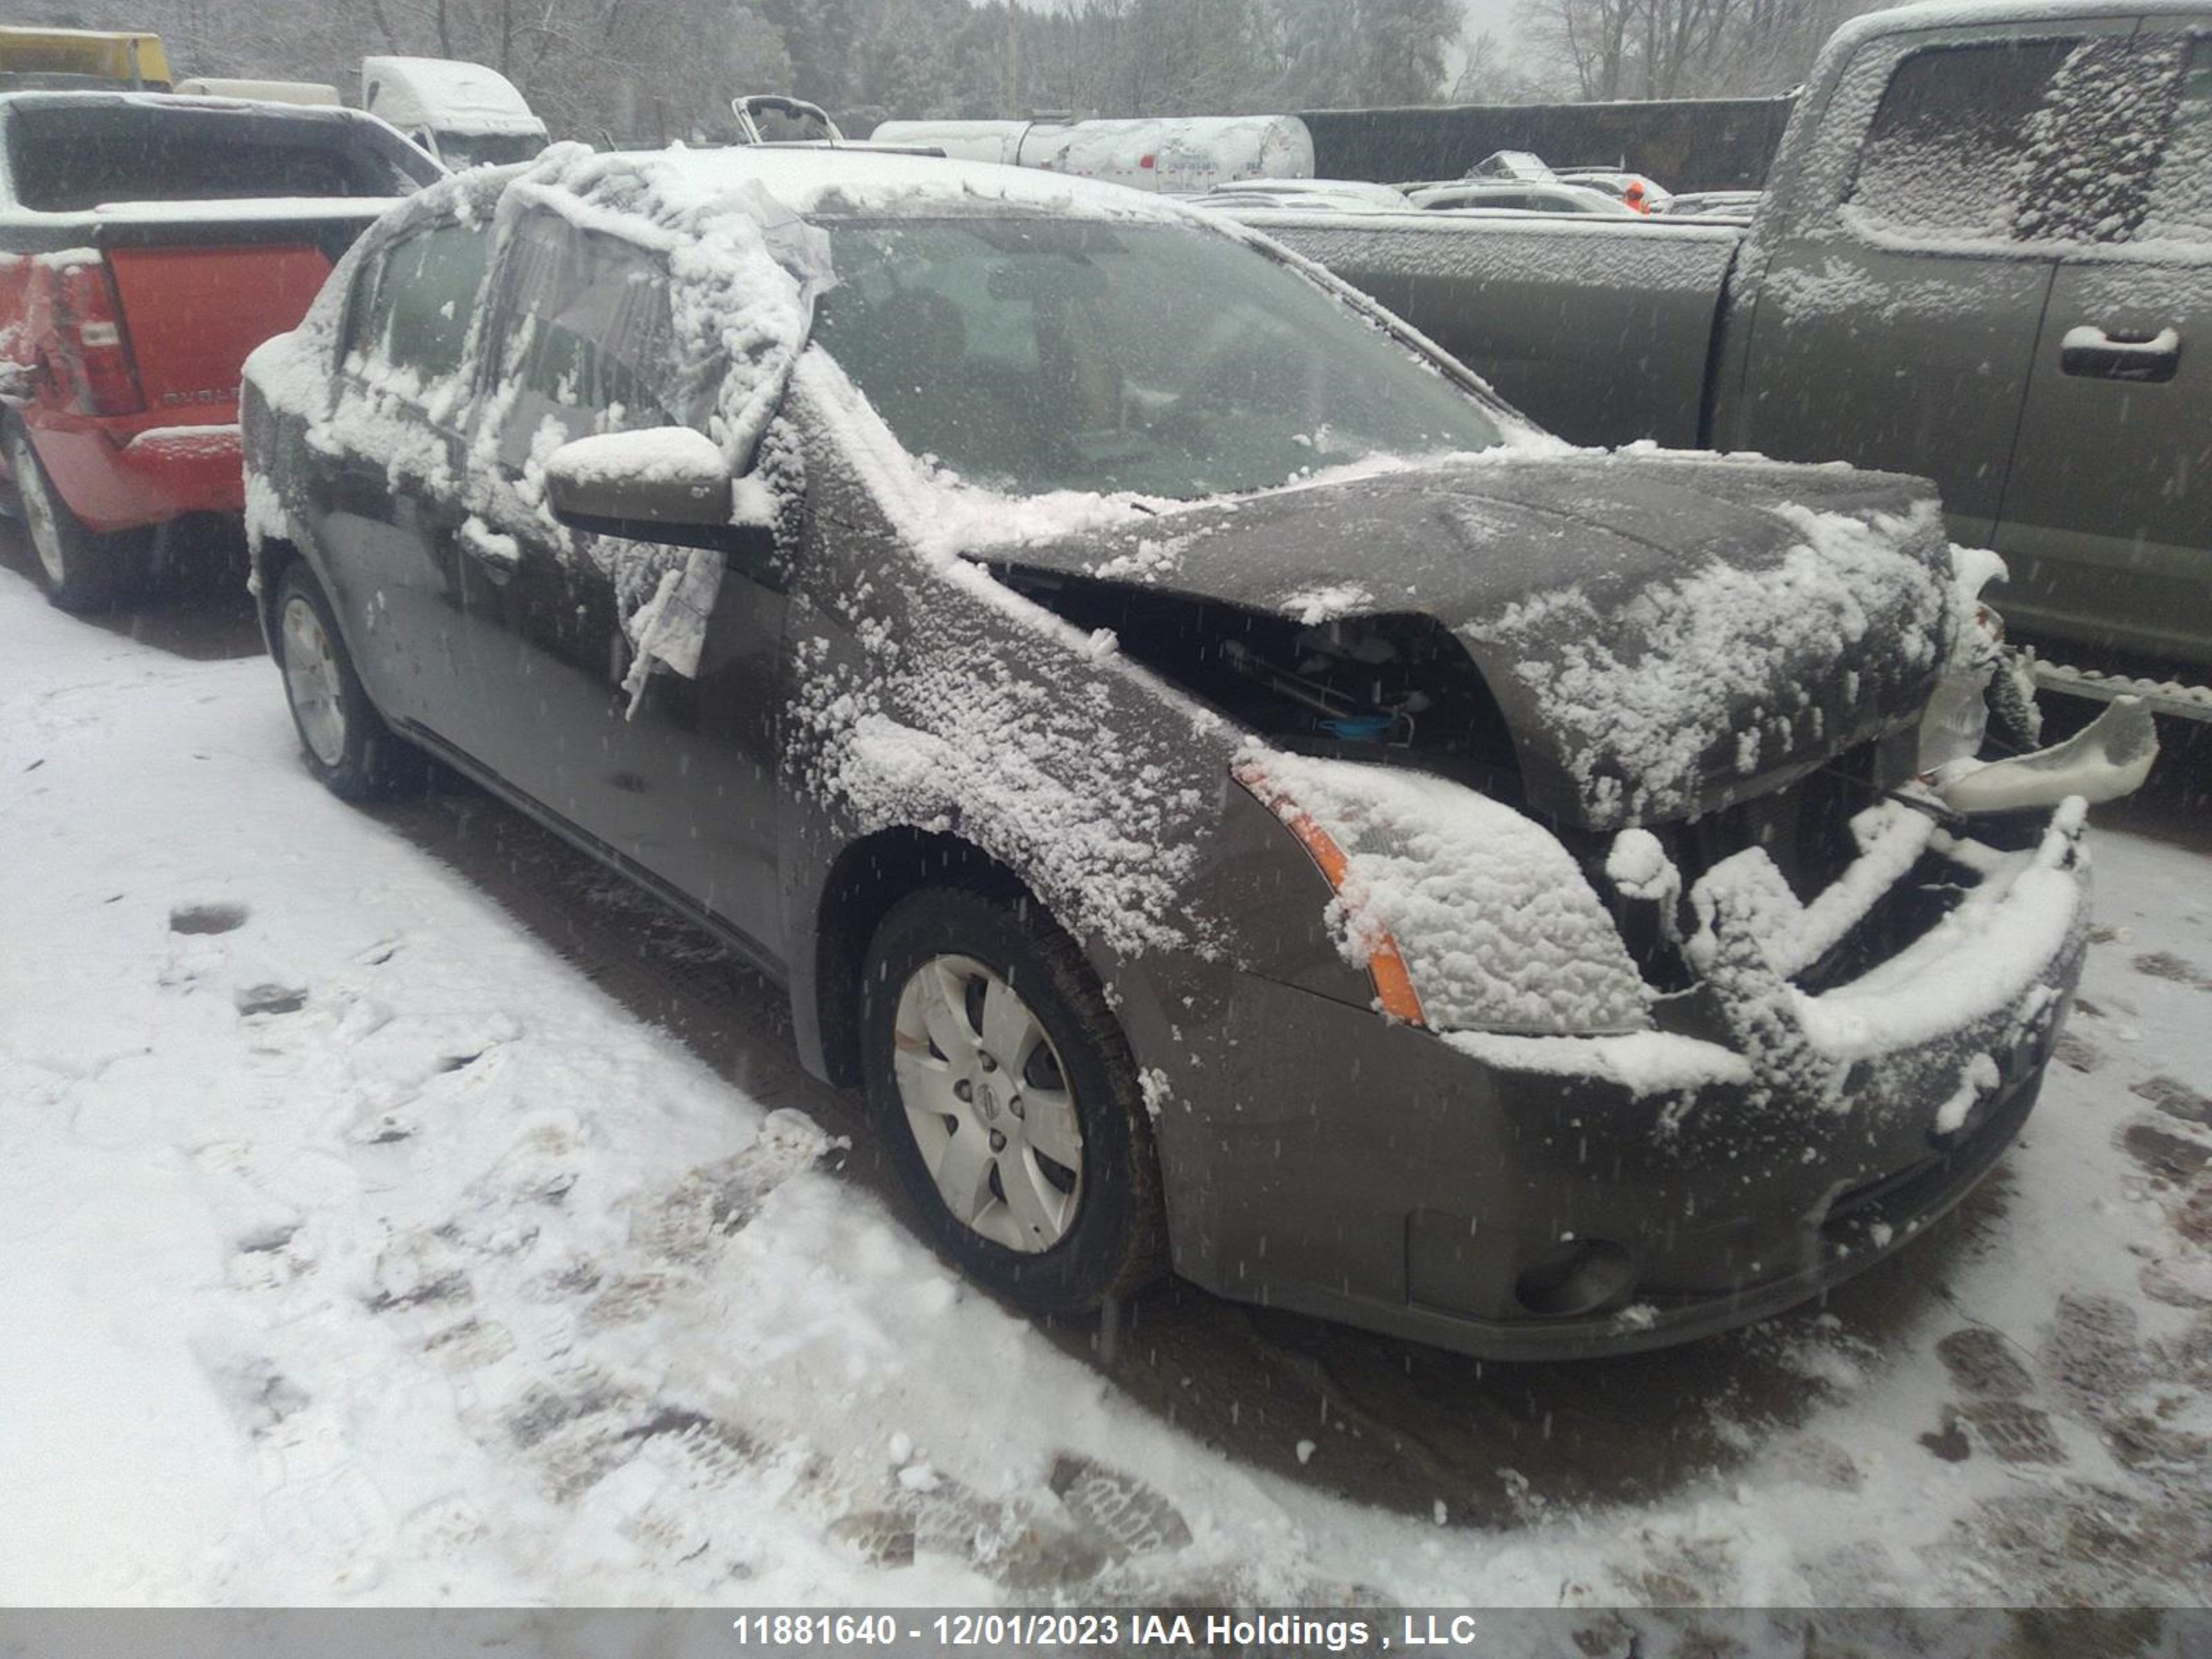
[669, 484]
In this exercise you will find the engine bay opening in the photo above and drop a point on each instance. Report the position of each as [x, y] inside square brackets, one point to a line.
[1396, 688]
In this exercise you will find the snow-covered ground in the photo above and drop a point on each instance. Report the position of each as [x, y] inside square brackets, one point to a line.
[359, 1248]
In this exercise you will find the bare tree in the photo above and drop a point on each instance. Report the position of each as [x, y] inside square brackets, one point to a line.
[1601, 50]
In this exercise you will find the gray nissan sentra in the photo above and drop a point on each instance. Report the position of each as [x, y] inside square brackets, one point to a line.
[1240, 799]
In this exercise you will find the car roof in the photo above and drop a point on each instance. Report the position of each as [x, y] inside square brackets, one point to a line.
[829, 181]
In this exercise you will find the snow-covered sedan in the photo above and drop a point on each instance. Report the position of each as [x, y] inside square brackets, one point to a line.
[1239, 798]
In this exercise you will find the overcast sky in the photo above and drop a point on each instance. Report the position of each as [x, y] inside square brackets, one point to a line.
[1495, 16]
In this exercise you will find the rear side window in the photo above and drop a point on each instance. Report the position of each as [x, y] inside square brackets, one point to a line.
[1950, 141]
[2181, 203]
[2094, 144]
[66, 160]
[2025, 140]
[422, 297]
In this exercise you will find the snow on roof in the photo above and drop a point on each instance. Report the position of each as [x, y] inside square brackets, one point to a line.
[1969, 14]
[833, 182]
[444, 93]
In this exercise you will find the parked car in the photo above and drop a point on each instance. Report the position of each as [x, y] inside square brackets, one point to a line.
[148, 242]
[465, 114]
[1710, 203]
[1634, 190]
[1237, 795]
[1519, 199]
[1175, 154]
[1983, 255]
[1305, 195]
[1520, 165]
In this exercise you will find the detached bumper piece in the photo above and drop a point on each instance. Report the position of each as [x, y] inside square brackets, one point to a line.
[2106, 759]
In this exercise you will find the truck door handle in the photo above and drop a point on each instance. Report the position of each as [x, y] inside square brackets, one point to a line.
[2151, 359]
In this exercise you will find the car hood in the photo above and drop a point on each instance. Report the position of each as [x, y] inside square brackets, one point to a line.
[1663, 635]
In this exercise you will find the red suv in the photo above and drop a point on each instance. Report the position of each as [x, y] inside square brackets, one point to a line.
[146, 244]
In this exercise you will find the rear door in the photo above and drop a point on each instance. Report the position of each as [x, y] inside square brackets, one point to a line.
[1896, 325]
[669, 763]
[2108, 521]
[388, 506]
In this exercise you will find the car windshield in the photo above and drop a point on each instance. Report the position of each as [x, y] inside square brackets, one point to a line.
[1032, 356]
[487, 149]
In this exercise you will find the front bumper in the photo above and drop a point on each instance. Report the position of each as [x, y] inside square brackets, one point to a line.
[1524, 1198]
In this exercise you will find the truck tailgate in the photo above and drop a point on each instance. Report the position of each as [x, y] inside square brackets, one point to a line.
[192, 313]
[1599, 330]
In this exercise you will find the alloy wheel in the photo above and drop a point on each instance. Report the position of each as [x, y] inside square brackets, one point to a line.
[38, 517]
[988, 1104]
[312, 682]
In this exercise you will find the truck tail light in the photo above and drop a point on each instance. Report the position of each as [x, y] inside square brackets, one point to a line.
[94, 361]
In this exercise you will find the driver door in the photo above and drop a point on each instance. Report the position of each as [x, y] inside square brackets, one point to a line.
[668, 765]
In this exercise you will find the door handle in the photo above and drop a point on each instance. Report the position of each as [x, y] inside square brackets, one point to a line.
[2149, 359]
[500, 555]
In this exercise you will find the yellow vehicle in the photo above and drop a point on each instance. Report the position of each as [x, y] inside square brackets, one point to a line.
[71, 58]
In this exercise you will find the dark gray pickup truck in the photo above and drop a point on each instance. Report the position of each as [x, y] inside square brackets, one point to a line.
[1984, 256]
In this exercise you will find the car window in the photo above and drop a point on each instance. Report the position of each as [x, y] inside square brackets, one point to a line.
[2093, 144]
[583, 338]
[2020, 140]
[421, 295]
[2179, 207]
[1950, 138]
[1034, 355]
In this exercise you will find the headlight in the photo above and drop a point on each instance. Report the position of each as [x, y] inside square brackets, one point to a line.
[1467, 915]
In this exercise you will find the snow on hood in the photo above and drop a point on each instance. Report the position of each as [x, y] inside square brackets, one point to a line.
[1663, 634]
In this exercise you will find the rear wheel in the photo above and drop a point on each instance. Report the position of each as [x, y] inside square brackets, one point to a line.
[1005, 1091]
[347, 744]
[81, 569]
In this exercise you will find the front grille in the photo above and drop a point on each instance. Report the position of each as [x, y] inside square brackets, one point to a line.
[1805, 827]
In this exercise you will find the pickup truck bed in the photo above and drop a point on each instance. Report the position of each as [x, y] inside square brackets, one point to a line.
[147, 243]
[1630, 307]
[1984, 256]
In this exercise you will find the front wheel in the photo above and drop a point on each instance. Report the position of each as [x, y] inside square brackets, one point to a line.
[1003, 1085]
[348, 745]
[80, 570]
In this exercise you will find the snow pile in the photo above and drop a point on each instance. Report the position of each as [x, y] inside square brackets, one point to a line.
[1498, 926]
[1718, 642]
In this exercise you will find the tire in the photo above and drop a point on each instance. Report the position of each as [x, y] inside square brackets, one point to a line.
[348, 746]
[79, 569]
[1023, 1228]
